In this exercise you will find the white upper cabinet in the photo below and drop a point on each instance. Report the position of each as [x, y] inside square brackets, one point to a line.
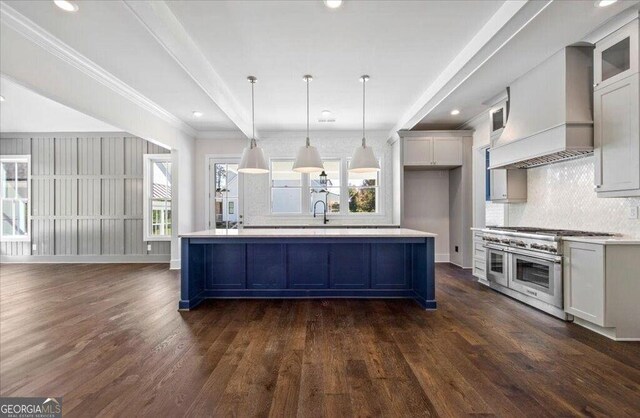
[616, 56]
[617, 114]
[418, 151]
[617, 137]
[508, 186]
[445, 152]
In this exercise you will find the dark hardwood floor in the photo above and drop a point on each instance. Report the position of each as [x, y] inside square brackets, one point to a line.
[109, 339]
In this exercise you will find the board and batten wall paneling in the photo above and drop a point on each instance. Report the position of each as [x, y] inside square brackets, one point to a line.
[86, 196]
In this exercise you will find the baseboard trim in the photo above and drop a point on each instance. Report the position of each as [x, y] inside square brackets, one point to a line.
[609, 332]
[174, 264]
[458, 265]
[55, 259]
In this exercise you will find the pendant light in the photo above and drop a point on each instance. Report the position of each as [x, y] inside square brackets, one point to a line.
[253, 161]
[363, 160]
[308, 159]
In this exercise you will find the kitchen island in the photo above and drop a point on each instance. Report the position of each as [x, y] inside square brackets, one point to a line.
[308, 263]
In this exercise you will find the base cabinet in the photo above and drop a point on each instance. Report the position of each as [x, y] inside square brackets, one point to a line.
[479, 258]
[584, 290]
[602, 287]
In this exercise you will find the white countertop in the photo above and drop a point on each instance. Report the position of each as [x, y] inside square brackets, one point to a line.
[311, 233]
[605, 240]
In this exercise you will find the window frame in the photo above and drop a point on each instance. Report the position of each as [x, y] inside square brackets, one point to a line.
[27, 236]
[377, 187]
[147, 215]
[306, 210]
[301, 187]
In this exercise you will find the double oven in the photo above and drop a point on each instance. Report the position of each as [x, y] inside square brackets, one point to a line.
[534, 274]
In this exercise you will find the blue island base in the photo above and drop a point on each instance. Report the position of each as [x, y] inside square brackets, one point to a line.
[296, 268]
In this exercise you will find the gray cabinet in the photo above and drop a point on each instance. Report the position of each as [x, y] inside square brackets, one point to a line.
[617, 114]
[435, 152]
[479, 258]
[508, 186]
[601, 288]
[584, 281]
[616, 56]
[617, 138]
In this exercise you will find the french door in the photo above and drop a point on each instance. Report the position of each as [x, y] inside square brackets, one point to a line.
[225, 194]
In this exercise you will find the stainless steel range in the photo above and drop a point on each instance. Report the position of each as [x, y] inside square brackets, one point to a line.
[526, 264]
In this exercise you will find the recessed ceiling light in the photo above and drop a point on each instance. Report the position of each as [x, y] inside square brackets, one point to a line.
[333, 4]
[197, 114]
[605, 3]
[67, 5]
[1, 98]
[326, 114]
[455, 112]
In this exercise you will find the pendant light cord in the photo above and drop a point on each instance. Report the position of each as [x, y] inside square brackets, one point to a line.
[253, 117]
[308, 141]
[364, 82]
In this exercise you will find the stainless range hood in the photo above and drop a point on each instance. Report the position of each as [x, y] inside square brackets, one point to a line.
[551, 113]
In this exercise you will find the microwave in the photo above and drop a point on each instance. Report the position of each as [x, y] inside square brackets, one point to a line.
[498, 119]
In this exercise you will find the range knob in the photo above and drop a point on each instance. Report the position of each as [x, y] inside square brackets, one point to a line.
[505, 241]
[521, 244]
[553, 249]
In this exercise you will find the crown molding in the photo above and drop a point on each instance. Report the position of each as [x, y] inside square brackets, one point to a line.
[47, 41]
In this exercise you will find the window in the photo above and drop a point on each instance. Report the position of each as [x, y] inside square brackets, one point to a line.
[286, 188]
[329, 193]
[363, 192]
[226, 181]
[15, 198]
[344, 193]
[157, 194]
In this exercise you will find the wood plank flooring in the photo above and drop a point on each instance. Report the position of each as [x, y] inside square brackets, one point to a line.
[109, 339]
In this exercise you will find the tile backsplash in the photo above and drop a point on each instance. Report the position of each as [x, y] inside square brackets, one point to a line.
[562, 195]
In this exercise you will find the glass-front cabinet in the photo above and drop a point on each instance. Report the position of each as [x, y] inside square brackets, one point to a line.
[616, 56]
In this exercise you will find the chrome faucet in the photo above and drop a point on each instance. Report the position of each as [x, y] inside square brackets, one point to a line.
[324, 211]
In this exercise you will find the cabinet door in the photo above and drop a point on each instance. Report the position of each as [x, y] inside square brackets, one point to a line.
[584, 285]
[447, 151]
[498, 184]
[418, 151]
[616, 56]
[617, 136]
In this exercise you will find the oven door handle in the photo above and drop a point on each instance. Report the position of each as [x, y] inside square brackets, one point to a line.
[551, 258]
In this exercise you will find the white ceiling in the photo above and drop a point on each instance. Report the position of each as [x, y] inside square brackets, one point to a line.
[111, 36]
[26, 111]
[560, 24]
[195, 55]
[402, 45]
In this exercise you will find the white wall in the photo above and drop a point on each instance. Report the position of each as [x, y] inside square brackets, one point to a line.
[484, 213]
[285, 145]
[59, 80]
[429, 195]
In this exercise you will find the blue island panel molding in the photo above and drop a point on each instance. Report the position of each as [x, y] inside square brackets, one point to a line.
[391, 269]
[308, 266]
[349, 266]
[372, 267]
[268, 268]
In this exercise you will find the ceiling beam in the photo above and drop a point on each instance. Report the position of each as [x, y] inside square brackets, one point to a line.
[45, 40]
[510, 19]
[165, 27]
